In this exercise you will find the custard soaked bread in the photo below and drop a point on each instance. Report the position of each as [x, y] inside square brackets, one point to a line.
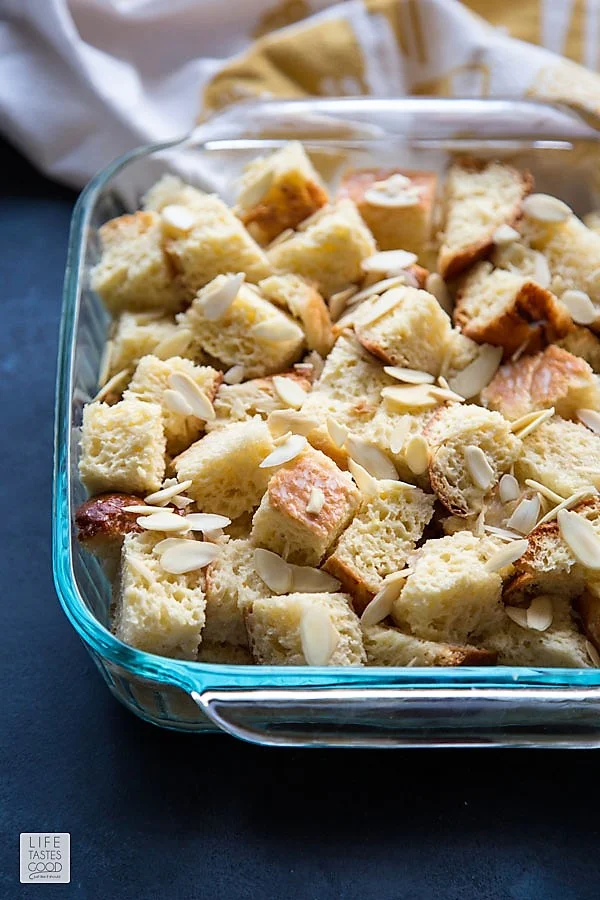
[291, 432]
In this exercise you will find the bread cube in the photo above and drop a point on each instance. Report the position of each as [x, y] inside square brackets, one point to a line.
[102, 524]
[122, 447]
[563, 455]
[257, 397]
[224, 468]
[216, 244]
[450, 433]
[451, 596]
[170, 190]
[329, 252]
[499, 307]
[279, 191]
[134, 273]
[561, 645]
[391, 430]
[282, 523]
[154, 610]
[399, 217]
[224, 654]
[274, 629]
[232, 586]
[413, 333]
[236, 339]
[379, 539]
[306, 305]
[386, 646]
[136, 335]
[479, 197]
[582, 342]
[552, 378]
[150, 381]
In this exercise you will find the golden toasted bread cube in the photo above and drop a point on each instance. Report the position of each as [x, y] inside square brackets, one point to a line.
[257, 397]
[305, 304]
[582, 342]
[563, 455]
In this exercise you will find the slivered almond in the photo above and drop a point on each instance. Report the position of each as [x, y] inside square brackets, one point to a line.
[234, 375]
[165, 544]
[274, 571]
[377, 308]
[541, 269]
[413, 396]
[543, 416]
[256, 190]
[398, 577]
[593, 654]
[580, 306]
[478, 374]
[282, 421]
[318, 636]
[546, 209]
[505, 234]
[409, 197]
[503, 533]
[206, 522]
[389, 261]
[316, 501]
[436, 286]
[187, 556]
[174, 344]
[379, 287]
[181, 502]
[285, 235]
[517, 615]
[581, 538]
[140, 568]
[506, 555]
[410, 376]
[540, 613]
[289, 391]
[276, 331]
[338, 433]
[444, 394]
[201, 406]
[479, 528]
[365, 482]
[177, 219]
[525, 516]
[215, 304]
[108, 387]
[416, 453]
[339, 301]
[399, 435]
[163, 521]
[443, 383]
[546, 492]
[285, 452]
[590, 418]
[141, 510]
[508, 488]
[166, 493]
[568, 503]
[307, 580]
[176, 403]
[381, 605]
[479, 467]
[104, 368]
[371, 458]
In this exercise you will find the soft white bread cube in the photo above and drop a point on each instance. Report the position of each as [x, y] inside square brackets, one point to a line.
[233, 338]
[274, 629]
[479, 197]
[499, 307]
[305, 304]
[149, 383]
[413, 333]
[135, 335]
[282, 523]
[122, 447]
[330, 251]
[217, 243]
[170, 190]
[563, 455]
[561, 645]
[257, 397]
[279, 191]
[379, 539]
[224, 654]
[134, 272]
[387, 646]
[405, 225]
[232, 586]
[451, 596]
[580, 341]
[552, 378]
[223, 467]
[348, 391]
[450, 432]
[154, 610]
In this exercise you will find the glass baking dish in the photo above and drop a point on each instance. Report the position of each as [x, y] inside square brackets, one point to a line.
[301, 706]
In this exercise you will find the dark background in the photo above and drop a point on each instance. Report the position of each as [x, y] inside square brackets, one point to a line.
[154, 814]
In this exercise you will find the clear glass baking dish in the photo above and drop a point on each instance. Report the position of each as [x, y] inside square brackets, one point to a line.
[300, 706]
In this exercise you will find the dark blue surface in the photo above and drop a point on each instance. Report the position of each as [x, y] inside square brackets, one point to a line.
[159, 815]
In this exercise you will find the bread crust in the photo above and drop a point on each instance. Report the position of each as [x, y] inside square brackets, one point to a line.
[295, 203]
[103, 517]
[351, 580]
